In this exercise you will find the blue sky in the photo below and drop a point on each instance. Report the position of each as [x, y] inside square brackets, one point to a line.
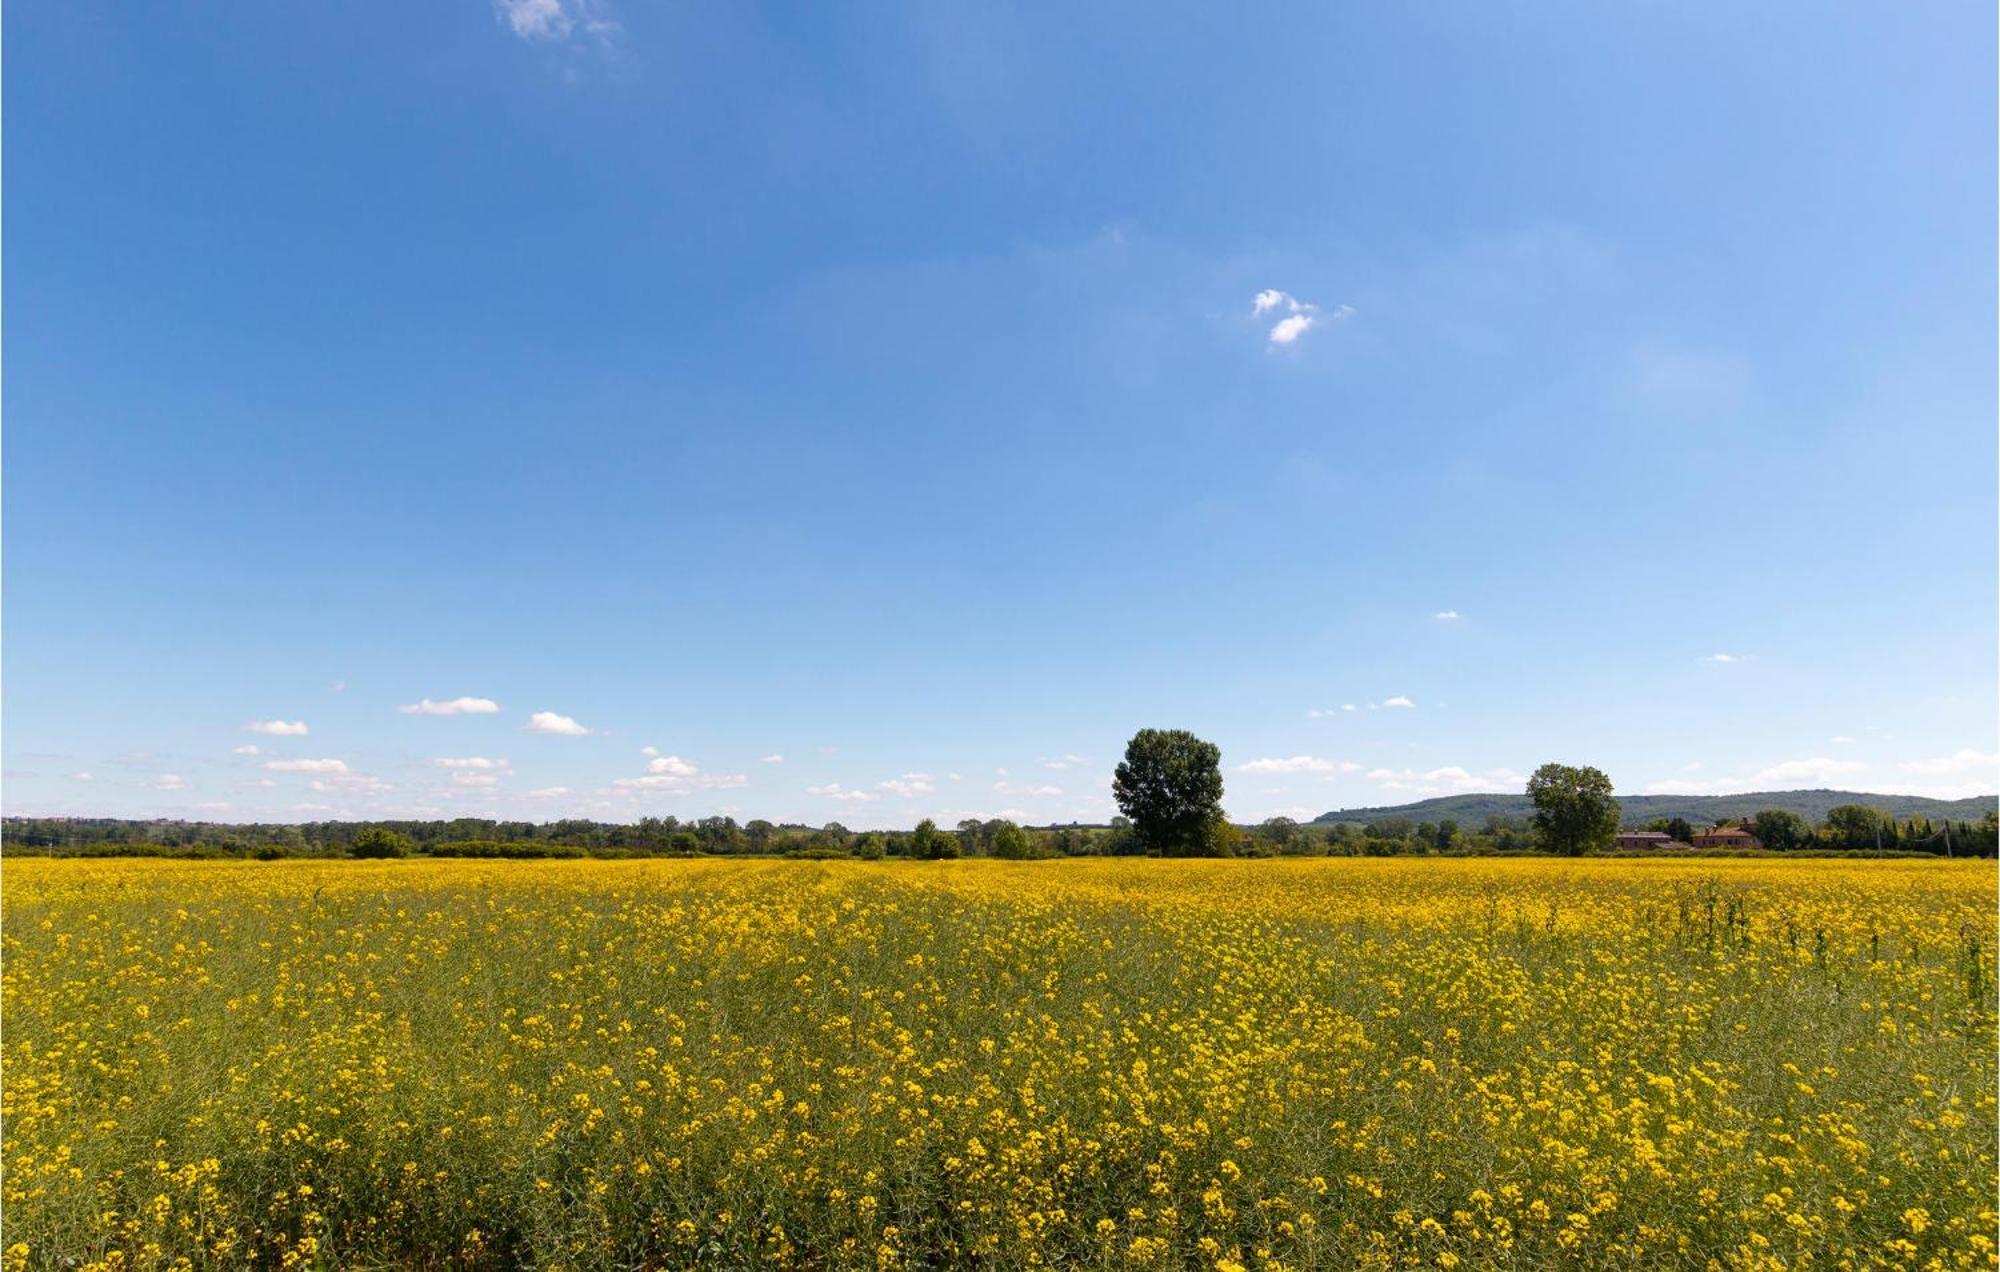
[883, 411]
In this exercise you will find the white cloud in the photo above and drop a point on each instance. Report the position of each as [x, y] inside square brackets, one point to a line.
[1818, 769]
[338, 686]
[463, 778]
[558, 725]
[1963, 762]
[548, 792]
[469, 762]
[1398, 701]
[1840, 738]
[248, 748]
[834, 790]
[908, 786]
[215, 805]
[1725, 658]
[1298, 318]
[170, 782]
[554, 21]
[1289, 329]
[1680, 786]
[306, 766]
[1298, 764]
[451, 707]
[278, 728]
[363, 783]
[773, 758]
[536, 19]
[83, 777]
[1064, 761]
[649, 751]
[672, 775]
[1446, 616]
[312, 808]
[1011, 788]
[1450, 779]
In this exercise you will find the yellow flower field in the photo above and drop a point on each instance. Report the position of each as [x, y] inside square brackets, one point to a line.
[1261, 1064]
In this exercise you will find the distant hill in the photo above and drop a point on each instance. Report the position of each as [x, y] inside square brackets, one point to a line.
[1637, 810]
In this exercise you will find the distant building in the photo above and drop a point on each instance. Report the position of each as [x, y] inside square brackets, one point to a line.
[1645, 840]
[1726, 837]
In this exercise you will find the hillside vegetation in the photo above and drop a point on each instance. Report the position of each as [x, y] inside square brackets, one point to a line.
[1637, 810]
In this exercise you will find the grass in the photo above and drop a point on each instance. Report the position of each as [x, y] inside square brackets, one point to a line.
[1377, 1063]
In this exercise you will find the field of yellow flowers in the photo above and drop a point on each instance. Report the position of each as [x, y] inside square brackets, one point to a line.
[1297, 1064]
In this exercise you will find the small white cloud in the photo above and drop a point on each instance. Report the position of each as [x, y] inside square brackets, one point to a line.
[83, 777]
[1966, 761]
[1064, 761]
[248, 748]
[338, 686]
[1268, 299]
[673, 766]
[1451, 779]
[1298, 764]
[557, 725]
[463, 778]
[312, 808]
[548, 792]
[1725, 658]
[278, 728]
[214, 805]
[451, 707]
[908, 786]
[1289, 329]
[1398, 701]
[469, 762]
[1681, 786]
[170, 782]
[1011, 788]
[1840, 738]
[649, 751]
[1816, 769]
[363, 783]
[306, 766]
[772, 758]
[554, 21]
[834, 790]
[1446, 616]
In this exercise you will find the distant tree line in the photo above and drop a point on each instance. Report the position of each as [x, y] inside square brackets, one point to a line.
[1168, 787]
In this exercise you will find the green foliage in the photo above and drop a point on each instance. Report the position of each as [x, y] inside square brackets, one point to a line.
[1856, 826]
[1780, 829]
[928, 843]
[1170, 785]
[1011, 843]
[377, 842]
[1574, 809]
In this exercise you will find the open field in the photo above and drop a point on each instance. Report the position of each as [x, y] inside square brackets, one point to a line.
[1316, 1063]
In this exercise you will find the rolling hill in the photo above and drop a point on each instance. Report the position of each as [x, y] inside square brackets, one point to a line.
[1471, 810]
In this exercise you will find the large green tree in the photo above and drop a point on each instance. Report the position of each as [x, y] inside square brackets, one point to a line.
[1574, 810]
[1781, 829]
[1170, 785]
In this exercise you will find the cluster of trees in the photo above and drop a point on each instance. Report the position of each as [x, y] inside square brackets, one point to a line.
[1168, 786]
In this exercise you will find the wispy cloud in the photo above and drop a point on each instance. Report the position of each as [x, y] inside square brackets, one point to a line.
[557, 725]
[548, 792]
[1060, 762]
[306, 766]
[170, 782]
[248, 748]
[1398, 701]
[1295, 316]
[1450, 779]
[451, 707]
[1725, 658]
[555, 21]
[469, 762]
[672, 775]
[772, 758]
[1014, 788]
[278, 728]
[1446, 616]
[1818, 768]
[908, 786]
[834, 790]
[1963, 762]
[1299, 764]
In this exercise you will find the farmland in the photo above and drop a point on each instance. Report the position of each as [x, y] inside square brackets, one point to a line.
[1219, 1064]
